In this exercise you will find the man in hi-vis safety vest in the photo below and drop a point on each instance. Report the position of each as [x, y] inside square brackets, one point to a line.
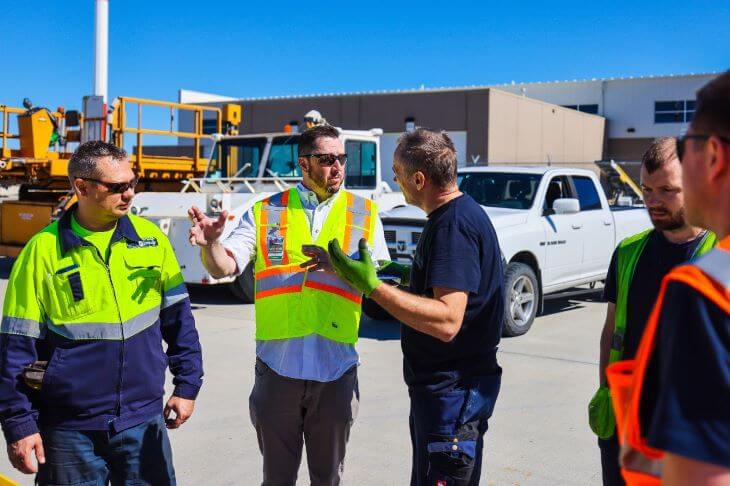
[634, 276]
[307, 318]
[672, 401]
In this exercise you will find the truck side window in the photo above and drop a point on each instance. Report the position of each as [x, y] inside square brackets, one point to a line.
[557, 189]
[587, 193]
[361, 164]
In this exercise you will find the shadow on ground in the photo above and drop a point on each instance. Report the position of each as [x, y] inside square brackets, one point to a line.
[574, 302]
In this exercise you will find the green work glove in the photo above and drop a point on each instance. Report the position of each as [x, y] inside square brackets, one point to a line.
[361, 273]
[387, 268]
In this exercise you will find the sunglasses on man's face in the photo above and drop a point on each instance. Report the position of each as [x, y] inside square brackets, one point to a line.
[115, 187]
[682, 141]
[327, 160]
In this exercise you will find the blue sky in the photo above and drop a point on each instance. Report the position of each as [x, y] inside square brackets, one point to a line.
[283, 48]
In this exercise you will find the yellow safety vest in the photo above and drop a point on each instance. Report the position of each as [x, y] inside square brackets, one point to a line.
[290, 301]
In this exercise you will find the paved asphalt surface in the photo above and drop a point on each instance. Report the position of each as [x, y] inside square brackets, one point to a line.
[538, 434]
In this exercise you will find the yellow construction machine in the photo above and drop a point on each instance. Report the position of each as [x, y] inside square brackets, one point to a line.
[37, 143]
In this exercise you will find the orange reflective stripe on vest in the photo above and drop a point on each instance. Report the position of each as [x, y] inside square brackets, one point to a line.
[641, 464]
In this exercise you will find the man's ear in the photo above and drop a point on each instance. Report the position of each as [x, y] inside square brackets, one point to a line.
[719, 158]
[81, 187]
[419, 179]
[304, 164]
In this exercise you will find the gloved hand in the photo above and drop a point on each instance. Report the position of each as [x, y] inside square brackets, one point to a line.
[387, 268]
[360, 273]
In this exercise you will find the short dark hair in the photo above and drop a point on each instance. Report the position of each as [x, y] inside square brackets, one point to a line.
[661, 151]
[430, 152]
[309, 137]
[712, 113]
[84, 161]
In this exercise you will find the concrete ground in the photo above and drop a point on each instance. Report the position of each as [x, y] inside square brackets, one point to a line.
[538, 434]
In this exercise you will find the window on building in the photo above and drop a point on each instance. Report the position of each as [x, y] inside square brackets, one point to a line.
[587, 194]
[680, 111]
[592, 108]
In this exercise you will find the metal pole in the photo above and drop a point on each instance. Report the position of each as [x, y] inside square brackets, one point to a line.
[101, 48]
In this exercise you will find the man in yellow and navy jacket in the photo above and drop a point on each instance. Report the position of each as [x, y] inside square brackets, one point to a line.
[82, 367]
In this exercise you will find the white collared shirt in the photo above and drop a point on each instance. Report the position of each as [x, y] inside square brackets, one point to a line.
[311, 357]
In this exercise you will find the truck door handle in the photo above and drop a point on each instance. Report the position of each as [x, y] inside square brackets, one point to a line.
[576, 226]
[607, 223]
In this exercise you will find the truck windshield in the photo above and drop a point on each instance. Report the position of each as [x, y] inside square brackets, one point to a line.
[283, 158]
[237, 158]
[501, 189]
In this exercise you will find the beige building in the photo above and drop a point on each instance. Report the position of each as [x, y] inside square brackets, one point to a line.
[497, 128]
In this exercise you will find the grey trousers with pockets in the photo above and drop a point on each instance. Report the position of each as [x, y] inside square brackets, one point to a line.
[289, 413]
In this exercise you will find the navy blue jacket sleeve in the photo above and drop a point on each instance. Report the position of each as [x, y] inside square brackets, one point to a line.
[19, 417]
[183, 348]
[691, 414]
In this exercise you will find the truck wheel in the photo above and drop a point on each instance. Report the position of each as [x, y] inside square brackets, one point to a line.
[243, 288]
[520, 299]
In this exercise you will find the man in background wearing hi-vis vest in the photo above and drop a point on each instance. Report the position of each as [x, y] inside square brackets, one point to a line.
[82, 369]
[634, 276]
[307, 318]
[672, 401]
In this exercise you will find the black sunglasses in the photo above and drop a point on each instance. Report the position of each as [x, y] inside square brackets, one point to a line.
[681, 141]
[115, 187]
[327, 160]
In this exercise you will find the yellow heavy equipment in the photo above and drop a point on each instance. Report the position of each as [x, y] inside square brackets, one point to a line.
[34, 159]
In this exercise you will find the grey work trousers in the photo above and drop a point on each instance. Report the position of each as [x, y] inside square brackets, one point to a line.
[288, 413]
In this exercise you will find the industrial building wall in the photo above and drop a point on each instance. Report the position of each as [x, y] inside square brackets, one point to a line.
[524, 130]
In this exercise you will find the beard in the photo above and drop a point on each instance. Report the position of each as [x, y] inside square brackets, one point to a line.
[674, 221]
[324, 184]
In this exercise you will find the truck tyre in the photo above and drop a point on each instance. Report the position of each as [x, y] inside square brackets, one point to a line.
[521, 295]
[243, 288]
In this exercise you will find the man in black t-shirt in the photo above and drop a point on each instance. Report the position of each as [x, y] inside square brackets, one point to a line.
[672, 241]
[452, 317]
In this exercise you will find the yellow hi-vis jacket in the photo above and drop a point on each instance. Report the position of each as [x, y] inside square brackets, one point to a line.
[292, 302]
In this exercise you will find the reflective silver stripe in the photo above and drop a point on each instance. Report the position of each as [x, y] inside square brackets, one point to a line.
[325, 278]
[289, 279]
[359, 211]
[716, 264]
[21, 327]
[634, 460]
[174, 295]
[353, 247]
[274, 207]
[107, 330]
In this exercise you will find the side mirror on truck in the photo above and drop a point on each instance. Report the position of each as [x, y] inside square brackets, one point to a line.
[566, 206]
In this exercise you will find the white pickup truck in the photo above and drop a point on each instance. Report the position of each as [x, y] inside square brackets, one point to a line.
[555, 228]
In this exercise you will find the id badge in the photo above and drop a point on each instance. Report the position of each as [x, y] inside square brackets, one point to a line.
[275, 245]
